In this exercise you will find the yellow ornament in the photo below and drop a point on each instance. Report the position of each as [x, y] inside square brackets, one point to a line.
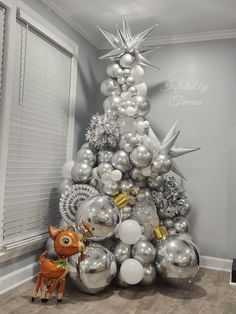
[161, 233]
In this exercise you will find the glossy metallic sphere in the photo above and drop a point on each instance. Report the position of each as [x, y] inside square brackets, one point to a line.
[120, 160]
[141, 156]
[101, 214]
[104, 156]
[122, 252]
[150, 274]
[184, 207]
[81, 172]
[180, 224]
[112, 103]
[155, 182]
[114, 70]
[144, 252]
[177, 259]
[136, 175]
[126, 212]
[95, 272]
[168, 223]
[110, 87]
[104, 167]
[126, 72]
[126, 185]
[129, 80]
[110, 188]
[143, 105]
[64, 184]
[162, 164]
[86, 155]
[127, 61]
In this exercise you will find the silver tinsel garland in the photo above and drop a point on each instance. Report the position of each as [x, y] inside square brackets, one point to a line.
[171, 199]
[103, 131]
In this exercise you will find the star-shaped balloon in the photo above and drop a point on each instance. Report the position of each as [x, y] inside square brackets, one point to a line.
[124, 41]
[167, 147]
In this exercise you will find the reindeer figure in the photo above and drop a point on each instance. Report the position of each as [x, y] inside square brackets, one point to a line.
[52, 273]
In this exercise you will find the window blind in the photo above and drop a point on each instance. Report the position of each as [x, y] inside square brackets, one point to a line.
[38, 133]
[2, 35]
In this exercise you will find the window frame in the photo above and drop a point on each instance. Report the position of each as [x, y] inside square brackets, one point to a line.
[18, 10]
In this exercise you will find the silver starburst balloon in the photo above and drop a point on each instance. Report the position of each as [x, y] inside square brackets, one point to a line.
[125, 42]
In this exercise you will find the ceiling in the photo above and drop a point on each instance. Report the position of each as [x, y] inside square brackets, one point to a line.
[178, 20]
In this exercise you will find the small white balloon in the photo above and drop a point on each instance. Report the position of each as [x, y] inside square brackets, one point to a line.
[131, 271]
[127, 60]
[131, 111]
[66, 169]
[137, 73]
[114, 70]
[141, 89]
[129, 231]
[116, 175]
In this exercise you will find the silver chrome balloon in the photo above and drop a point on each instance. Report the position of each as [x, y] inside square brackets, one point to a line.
[101, 214]
[155, 182]
[104, 156]
[143, 105]
[111, 187]
[136, 175]
[122, 252]
[81, 172]
[120, 160]
[110, 87]
[104, 167]
[127, 60]
[177, 259]
[183, 206]
[162, 163]
[145, 214]
[144, 252]
[114, 70]
[141, 156]
[126, 185]
[112, 103]
[150, 274]
[180, 224]
[168, 223]
[86, 155]
[126, 212]
[95, 272]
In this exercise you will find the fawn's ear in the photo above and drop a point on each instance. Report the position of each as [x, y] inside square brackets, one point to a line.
[53, 232]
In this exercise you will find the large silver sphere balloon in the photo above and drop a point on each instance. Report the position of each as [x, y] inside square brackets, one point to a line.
[104, 156]
[162, 163]
[150, 274]
[81, 172]
[180, 224]
[49, 246]
[95, 272]
[141, 156]
[144, 252]
[114, 70]
[112, 103]
[126, 185]
[143, 105]
[111, 187]
[155, 182]
[136, 175]
[120, 160]
[101, 214]
[127, 60]
[104, 167]
[145, 214]
[126, 212]
[110, 87]
[184, 206]
[64, 184]
[122, 252]
[86, 155]
[177, 259]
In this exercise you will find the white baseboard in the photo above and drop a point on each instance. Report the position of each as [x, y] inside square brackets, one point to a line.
[28, 272]
[18, 277]
[216, 263]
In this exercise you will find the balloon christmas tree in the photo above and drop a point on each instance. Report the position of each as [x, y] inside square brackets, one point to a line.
[120, 185]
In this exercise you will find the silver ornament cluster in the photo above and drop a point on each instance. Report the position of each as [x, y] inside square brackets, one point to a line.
[103, 131]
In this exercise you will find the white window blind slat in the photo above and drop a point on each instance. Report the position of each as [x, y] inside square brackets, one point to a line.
[38, 135]
[2, 44]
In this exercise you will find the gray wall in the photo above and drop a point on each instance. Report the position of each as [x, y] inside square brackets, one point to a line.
[85, 103]
[206, 115]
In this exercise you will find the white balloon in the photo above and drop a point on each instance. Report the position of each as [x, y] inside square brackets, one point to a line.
[137, 72]
[127, 60]
[129, 231]
[114, 70]
[126, 124]
[131, 271]
[141, 89]
[116, 175]
[66, 169]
